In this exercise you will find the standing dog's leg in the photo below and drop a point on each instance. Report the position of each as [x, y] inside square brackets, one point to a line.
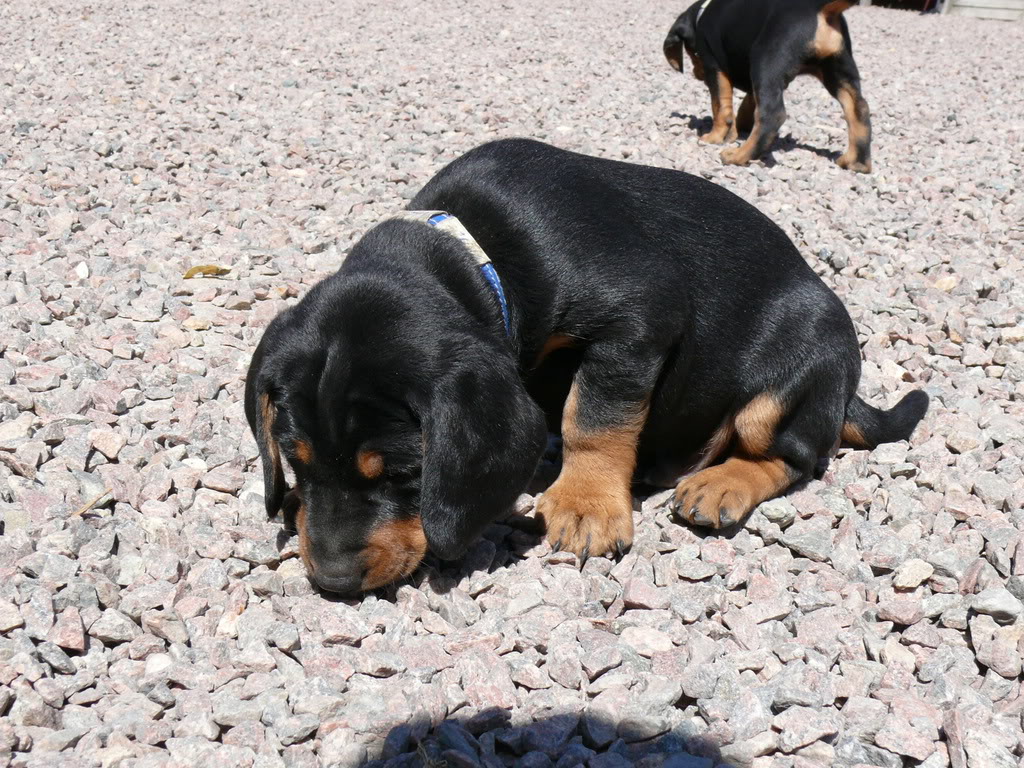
[723, 129]
[745, 115]
[840, 76]
[588, 510]
[773, 66]
[769, 115]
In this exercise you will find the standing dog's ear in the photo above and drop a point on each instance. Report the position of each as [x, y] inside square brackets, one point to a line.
[682, 33]
[483, 437]
[261, 412]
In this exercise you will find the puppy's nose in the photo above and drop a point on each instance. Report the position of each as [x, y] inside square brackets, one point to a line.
[345, 578]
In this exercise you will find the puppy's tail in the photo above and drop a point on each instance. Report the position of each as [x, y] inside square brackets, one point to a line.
[835, 7]
[867, 426]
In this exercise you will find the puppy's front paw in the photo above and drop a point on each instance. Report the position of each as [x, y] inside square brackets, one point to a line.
[586, 524]
[734, 156]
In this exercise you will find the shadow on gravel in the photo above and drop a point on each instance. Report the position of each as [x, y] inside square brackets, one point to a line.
[488, 739]
[788, 144]
[702, 125]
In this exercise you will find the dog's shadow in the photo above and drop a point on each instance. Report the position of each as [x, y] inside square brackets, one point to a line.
[782, 144]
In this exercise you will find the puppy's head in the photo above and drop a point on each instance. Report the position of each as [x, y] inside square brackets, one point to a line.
[407, 427]
[683, 36]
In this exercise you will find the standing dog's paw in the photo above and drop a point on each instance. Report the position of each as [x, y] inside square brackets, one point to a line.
[850, 163]
[718, 136]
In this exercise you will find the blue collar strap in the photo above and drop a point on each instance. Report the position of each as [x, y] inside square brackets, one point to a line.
[451, 225]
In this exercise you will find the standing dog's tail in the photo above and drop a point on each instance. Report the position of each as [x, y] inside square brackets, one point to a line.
[867, 426]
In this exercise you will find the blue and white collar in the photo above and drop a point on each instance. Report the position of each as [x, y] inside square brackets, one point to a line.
[449, 224]
[700, 11]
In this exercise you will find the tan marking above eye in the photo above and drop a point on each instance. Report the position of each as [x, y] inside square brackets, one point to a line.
[303, 451]
[370, 464]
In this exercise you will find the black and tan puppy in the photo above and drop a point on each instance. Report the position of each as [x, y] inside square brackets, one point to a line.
[759, 46]
[655, 318]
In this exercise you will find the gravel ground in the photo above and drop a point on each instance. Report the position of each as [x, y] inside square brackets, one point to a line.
[872, 618]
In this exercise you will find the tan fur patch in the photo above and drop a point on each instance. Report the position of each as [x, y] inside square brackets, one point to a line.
[269, 414]
[723, 495]
[303, 451]
[828, 40]
[555, 342]
[675, 57]
[756, 423]
[304, 543]
[698, 64]
[723, 129]
[717, 445]
[588, 509]
[743, 154]
[370, 464]
[855, 112]
[838, 6]
[852, 435]
[393, 551]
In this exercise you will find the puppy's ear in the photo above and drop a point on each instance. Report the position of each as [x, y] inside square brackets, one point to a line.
[261, 412]
[483, 436]
[682, 32]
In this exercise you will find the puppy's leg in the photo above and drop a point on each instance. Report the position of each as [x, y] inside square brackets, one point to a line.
[720, 496]
[774, 446]
[769, 115]
[772, 68]
[723, 129]
[588, 510]
[745, 115]
[840, 76]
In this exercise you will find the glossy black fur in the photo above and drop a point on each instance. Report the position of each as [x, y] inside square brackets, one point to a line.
[762, 45]
[676, 292]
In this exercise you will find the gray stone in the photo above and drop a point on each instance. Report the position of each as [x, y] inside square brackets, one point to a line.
[114, 627]
[800, 726]
[897, 735]
[998, 603]
[810, 538]
[912, 573]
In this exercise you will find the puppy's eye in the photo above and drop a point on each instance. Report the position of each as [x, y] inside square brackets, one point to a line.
[369, 464]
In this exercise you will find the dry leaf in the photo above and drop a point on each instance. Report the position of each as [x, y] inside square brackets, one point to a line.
[208, 270]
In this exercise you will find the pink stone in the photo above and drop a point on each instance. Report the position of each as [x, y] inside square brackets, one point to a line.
[68, 631]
